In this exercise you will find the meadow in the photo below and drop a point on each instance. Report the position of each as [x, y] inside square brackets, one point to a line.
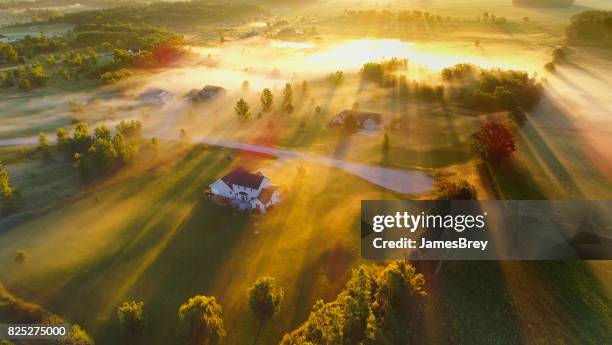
[146, 233]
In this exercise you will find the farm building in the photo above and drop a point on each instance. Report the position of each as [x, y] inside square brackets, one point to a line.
[156, 96]
[246, 191]
[207, 94]
[360, 119]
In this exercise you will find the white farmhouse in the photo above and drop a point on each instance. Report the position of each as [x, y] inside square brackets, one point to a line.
[4, 39]
[156, 96]
[247, 191]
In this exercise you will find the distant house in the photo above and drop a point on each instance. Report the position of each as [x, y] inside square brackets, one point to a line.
[155, 96]
[134, 51]
[207, 94]
[4, 39]
[246, 191]
[361, 119]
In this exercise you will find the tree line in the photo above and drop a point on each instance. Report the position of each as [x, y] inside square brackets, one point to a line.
[543, 3]
[243, 108]
[169, 14]
[414, 16]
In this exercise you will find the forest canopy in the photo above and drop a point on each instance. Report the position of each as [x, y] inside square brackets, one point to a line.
[593, 27]
[170, 14]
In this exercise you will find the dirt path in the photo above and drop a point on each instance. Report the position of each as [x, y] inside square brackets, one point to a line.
[398, 180]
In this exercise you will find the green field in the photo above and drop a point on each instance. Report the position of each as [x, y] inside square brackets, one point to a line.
[146, 233]
[185, 245]
[19, 32]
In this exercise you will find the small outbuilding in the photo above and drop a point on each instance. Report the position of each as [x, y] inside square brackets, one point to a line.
[356, 118]
[208, 94]
[156, 96]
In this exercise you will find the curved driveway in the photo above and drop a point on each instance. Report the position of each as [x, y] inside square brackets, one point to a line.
[398, 180]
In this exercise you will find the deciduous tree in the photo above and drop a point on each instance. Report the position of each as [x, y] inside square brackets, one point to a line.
[201, 318]
[8, 194]
[494, 142]
[265, 298]
[43, 145]
[131, 318]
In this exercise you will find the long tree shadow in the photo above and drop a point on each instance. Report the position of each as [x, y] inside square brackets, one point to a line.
[473, 304]
[586, 306]
[510, 181]
[139, 245]
[187, 267]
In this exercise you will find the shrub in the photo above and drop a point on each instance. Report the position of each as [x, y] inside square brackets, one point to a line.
[21, 256]
[455, 190]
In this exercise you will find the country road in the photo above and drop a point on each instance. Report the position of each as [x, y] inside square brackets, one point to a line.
[398, 180]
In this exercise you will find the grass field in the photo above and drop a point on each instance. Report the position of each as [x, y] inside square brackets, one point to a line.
[147, 234]
[184, 245]
[19, 32]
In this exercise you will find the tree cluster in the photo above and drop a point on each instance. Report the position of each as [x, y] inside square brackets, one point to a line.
[378, 305]
[136, 44]
[31, 46]
[399, 16]
[487, 17]
[492, 89]
[387, 73]
[377, 71]
[9, 196]
[591, 27]
[25, 77]
[101, 153]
